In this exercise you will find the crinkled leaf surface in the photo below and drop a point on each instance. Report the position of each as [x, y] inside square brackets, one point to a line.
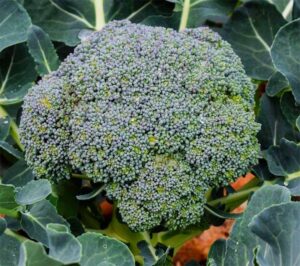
[34, 221]
[279, 227]
[34, 191]
[14, 22]
[274, 126]
[285, 54]
[34, 254]
[42, 50]
[251, 31]
[63, 246]
[17, 74]
[239, 248]
[101, 251]
[19, 174]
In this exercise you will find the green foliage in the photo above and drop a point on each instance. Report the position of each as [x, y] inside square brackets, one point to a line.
[266, 234]
[48, 225]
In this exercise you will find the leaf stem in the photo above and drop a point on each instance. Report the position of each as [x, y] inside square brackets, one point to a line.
[80, 176]
[99, 14]
[10, 213]
[184, 15]
[14, 130]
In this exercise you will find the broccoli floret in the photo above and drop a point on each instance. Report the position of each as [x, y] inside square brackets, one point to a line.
[159, 116]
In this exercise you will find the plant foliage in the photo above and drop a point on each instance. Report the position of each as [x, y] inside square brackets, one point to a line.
[64, 223]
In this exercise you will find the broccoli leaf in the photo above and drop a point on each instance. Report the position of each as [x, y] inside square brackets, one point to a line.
[97, 248]
[34, 191]
[14, 22]
[17, 74]
[285, 54]
[34, 254]
[239, 248]
[251, 31]
[42, 50]
[278, 226]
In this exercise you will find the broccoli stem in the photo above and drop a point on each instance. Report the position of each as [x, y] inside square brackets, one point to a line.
[14, 130]
[184, 15]
[80, 176]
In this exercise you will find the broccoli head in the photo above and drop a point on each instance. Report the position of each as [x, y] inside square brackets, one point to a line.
[159, 116]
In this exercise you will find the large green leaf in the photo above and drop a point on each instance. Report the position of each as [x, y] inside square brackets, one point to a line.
[101, 250]
[279, 227]
[276, 84]
[34, 222]
[239, 248]
[296, 9]
[217, 253]
[9, 251]
[42, 50]
[64, 19]
[284, 160]
[63, 246]
[18, 174]
[285, 7]
[274, 126]
[290, 109]
[14, 22]
[34, 191]
[34, 254]
[193, 13]
[17, 74]
[251, 31]
[285, 54]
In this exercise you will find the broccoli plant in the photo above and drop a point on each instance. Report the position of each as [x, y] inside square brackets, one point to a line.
[156, 116]
[123, 125]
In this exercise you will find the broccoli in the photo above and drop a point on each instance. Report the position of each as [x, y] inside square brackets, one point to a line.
[158, 116]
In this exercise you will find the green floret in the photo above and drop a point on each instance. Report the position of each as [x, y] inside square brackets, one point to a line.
[157, 115]
[167, 192]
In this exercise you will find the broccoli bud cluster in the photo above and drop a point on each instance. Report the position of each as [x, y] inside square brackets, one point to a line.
[159, 116]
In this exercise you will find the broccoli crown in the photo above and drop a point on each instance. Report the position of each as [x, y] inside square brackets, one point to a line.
[158, 115]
